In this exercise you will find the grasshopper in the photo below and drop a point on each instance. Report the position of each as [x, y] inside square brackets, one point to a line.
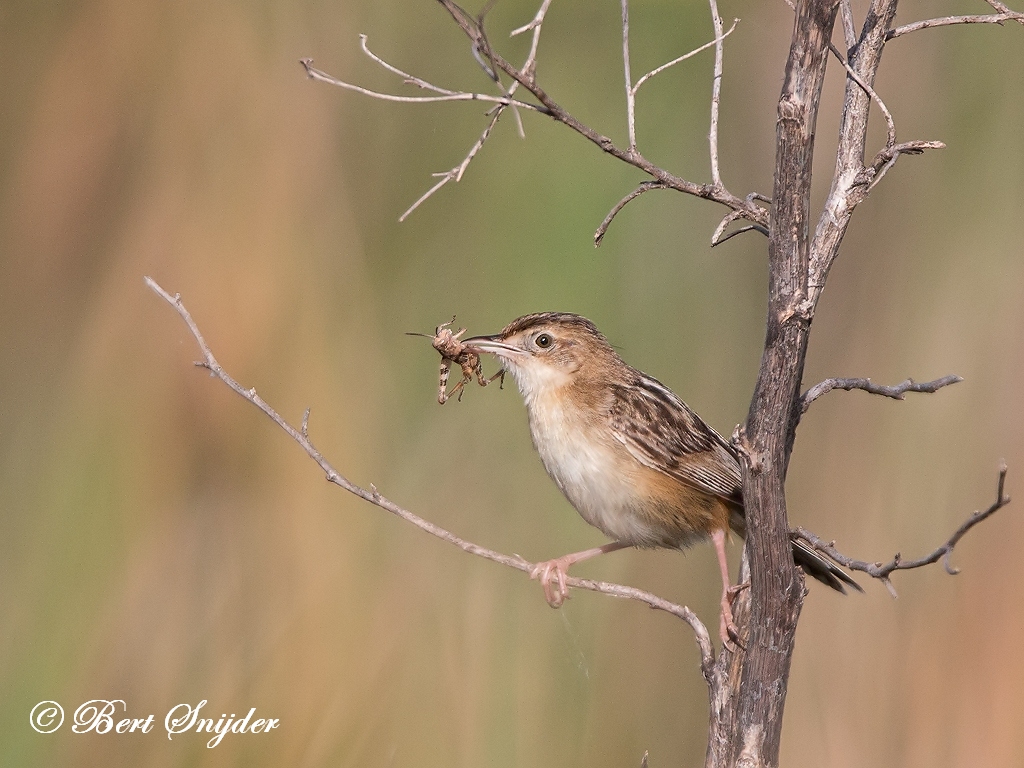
[454, 352]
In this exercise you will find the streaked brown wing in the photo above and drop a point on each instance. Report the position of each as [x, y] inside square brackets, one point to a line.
[663, 433]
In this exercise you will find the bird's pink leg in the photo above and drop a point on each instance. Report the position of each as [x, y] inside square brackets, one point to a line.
[727, 629]
[557, 569]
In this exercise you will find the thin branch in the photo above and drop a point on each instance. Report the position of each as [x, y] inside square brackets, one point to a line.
[849, 181]
[890, 123]
[455, 174]
[740, 231]
[643, 187]
[684, 57]
[886, 159]
[501, 103]
[882, 571]
[718, 236]
[896, 392]
[533, 26]
[530, 65]
[372, 495]
[716, 96]
[634, 158]
[410, 79]
[316, 74]
[632, 88]
[491, 70]
[630, 91]
[946, 21]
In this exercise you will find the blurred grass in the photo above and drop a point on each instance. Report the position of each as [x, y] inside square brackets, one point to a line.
[160, 542]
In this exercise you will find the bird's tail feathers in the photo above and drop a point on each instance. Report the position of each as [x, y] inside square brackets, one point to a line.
[822, 569]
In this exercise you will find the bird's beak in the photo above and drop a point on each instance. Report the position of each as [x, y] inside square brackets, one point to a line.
[492, 345]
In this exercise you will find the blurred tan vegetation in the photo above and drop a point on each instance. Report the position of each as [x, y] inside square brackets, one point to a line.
[161, 542]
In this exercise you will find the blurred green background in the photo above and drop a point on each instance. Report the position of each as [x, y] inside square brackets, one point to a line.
[162, 542]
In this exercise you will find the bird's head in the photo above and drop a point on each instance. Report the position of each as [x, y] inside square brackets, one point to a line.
[549, 350]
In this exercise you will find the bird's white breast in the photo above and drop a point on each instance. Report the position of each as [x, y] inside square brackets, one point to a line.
[586, 468]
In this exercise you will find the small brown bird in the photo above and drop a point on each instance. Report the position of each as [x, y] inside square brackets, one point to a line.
[631, 457]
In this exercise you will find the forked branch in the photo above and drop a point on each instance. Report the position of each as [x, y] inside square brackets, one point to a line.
[644, 186]
[501, 103]
[525, 77]
[882, 571]
[372, 495]
[896, 391]
[629, 155]
[946, 21]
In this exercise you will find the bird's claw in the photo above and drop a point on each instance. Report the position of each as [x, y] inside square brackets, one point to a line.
[733, 592]
[552, 571]
[727, 629]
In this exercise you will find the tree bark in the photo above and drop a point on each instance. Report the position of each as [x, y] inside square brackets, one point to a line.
[776, 587]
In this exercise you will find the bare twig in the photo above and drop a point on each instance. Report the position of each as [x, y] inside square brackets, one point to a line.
[1004, 8]
[946, 21]
[530, 65]
[684, 57]
[882, 571]
[632, 88]
[896, 391]
[643, 187]
[718, 236]
[890, 123]
[632, 157]
[409, 79]
[372, 495]
[630, 91]
[716, 96]
[886, 159]
[534, 25]
[455, 174]
[526, 77]
[443, 94]
[529, 68]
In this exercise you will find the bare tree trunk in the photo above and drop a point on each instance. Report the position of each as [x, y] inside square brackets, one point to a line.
[776, 587]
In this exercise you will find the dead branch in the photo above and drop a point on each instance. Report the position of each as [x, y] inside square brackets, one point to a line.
[630, 156]
[659, 69]
[887, 157]
[644, 186]
[372, 495]
[443, 93]
[882, 571]
[889, 122]
[716, 96]
[630, 92]
[896, 391]
[525, 76]
[946, 21]
[455, 174]
[718, 236]
[501, 103]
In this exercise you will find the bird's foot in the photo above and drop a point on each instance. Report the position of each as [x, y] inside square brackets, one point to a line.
[552, 574]
[733, 592]
[727, 629]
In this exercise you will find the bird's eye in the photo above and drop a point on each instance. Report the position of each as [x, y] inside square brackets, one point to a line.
[543, 341]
